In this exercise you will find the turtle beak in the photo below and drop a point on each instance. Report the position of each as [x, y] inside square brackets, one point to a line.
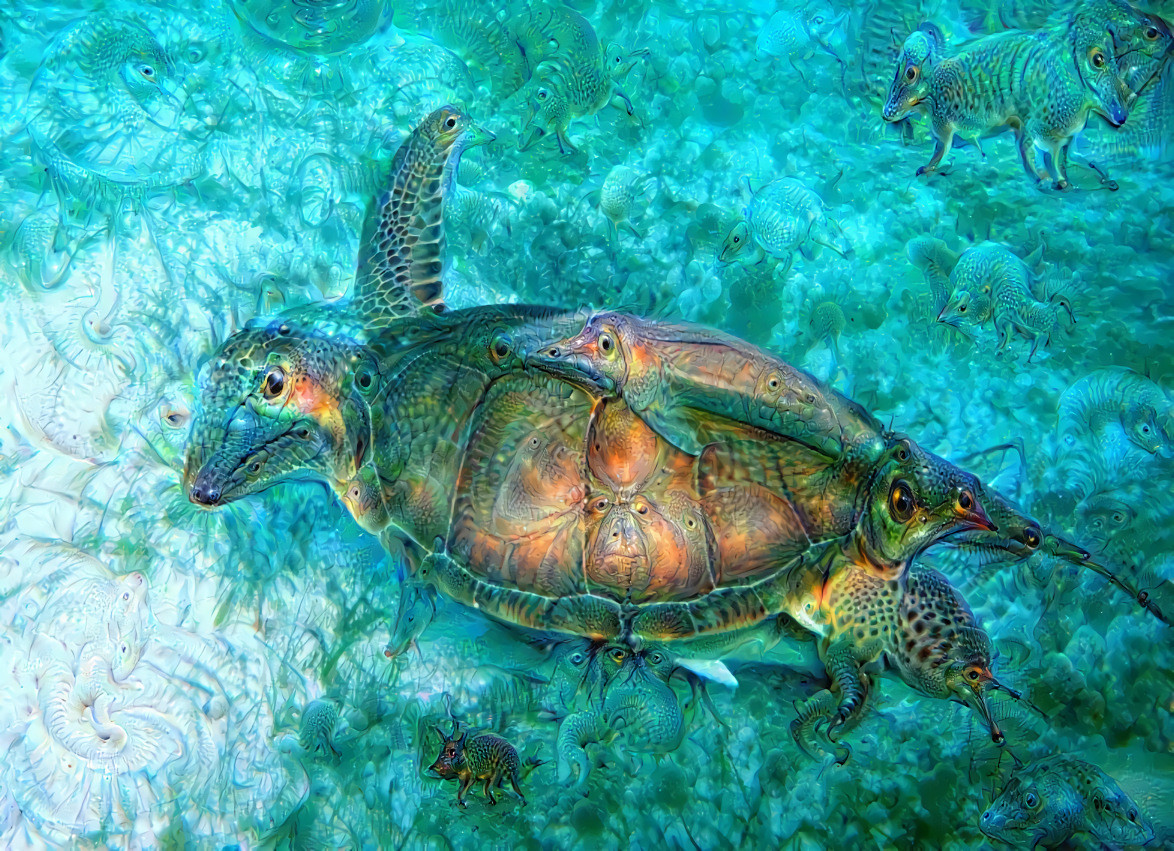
[978, 701]
[577, 369]
[976, 518]
[478, 135]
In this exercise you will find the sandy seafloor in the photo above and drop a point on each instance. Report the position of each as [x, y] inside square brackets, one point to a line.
[137, 232]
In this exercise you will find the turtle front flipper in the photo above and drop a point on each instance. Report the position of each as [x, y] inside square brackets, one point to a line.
[811, 714]
[401, 254]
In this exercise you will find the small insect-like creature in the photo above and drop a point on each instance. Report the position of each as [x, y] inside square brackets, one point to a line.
[620, 189]
[486, 758]
[989, 283]
[784, 217]
[1051, 800]
[797, 36]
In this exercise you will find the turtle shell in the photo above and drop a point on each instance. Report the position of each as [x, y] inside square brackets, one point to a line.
[555, 509]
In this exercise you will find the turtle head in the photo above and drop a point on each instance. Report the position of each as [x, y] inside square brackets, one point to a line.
[597, 359]
[1018, 534]
[279, 403]
[1141, 427]
[450, 131]
[967, 676]
[917, 500]
[736, 242]
[910, 84]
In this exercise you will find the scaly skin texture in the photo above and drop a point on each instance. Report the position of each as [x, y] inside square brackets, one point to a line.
[486, 758]
[917, 624]
[402, 258]
[1053, 799]
[991, 284]
[1040, 85]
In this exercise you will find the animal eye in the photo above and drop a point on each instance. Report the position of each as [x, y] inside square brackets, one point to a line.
[255, 467]
[1031, 537]
[535, 443]
[365, 380]
[901, 502]
[737, 239]
[911, 73]
[1151, 33]
[542, 94]
[965, 501]
[819, 19]
[274, 382]
[450, 122]
[1098, 59]
[577, 658]
[962, 308]
[641, 508]
[903, 454]
[1031, 800]
[606, 343]
[501, 347]
[601, 503]
[618, 655]
[972, 674]
[655, 658]
[126, 595]
[303, 433]
[147, 71]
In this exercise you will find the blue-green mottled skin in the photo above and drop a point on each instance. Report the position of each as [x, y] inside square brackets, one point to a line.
[1052, 800]
[1042, 86]
[991, 284]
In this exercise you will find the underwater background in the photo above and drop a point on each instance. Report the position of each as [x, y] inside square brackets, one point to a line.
[177, 677]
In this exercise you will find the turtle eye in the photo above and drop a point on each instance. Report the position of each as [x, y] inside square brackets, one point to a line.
[274, 383]
[1031, 537]
[903, 453]
[737, 238]
[618, 654]
[901, 502]
[543, 94]
[972, 675]
[606, 344]
[577, 658]
[147, 71]
[911, 73]
[1098, 59]
[965, 501]
[501, 347]
[450, 122]
[1152, 33]
[1032, 800]
[655, 658]
[365, 380]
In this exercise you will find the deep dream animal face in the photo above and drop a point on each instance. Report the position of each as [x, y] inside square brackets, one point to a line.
[1098, 70]
[918, 499]
[910, 86]
[278, 403]
[1049, 801]
[596, 359]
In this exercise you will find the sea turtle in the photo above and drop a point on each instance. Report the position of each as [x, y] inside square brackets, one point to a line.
[784, 217]
[527, 494]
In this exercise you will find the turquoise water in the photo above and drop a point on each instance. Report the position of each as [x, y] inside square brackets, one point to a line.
[180, 677]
